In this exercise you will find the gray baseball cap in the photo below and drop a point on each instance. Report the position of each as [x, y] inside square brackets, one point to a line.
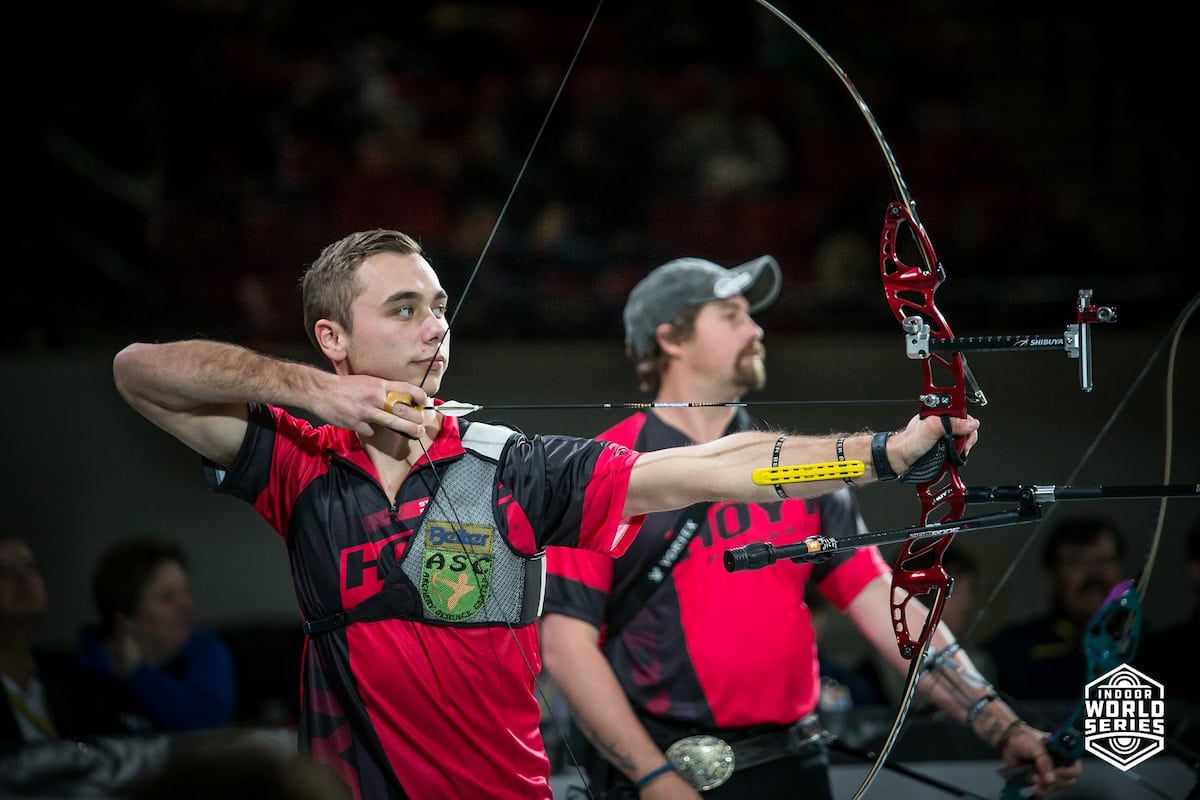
[661, 295]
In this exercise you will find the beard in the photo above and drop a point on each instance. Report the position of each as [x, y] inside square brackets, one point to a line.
[750, 372]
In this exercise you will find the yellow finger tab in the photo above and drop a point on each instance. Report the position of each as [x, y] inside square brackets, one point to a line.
[389, 403]
[799, 473]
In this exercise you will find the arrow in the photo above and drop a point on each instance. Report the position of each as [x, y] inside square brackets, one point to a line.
[454, 408]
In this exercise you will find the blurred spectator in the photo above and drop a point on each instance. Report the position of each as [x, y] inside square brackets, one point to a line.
[321, 121]
[721, 147]
[239, 771]
[46, 695]
[1042, 659]
[182, 675]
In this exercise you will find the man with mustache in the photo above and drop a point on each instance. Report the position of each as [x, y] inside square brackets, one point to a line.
[1042, 659]
[661, 646]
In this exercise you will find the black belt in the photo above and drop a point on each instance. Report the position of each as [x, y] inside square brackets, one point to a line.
[806, 735]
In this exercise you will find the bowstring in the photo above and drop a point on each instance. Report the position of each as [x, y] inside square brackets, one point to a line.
[437, 480]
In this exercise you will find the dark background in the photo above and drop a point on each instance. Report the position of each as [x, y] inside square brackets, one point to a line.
[177, 165]
[189, 158]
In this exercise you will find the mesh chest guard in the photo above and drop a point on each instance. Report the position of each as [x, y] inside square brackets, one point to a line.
[459, 568]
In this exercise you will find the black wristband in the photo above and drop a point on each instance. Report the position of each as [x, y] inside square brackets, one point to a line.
[652, 774]
[879, 456]
[775, 463]
[841, 454]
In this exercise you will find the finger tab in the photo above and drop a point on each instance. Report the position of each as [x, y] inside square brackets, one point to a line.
[392, 398]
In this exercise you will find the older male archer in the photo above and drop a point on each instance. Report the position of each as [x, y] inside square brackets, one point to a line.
[687, 678]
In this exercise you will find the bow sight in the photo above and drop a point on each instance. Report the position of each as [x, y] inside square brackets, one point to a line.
[1076, 340]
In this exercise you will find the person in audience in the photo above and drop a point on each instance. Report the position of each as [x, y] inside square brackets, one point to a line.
[1041, 659]
[240, 770]
[47, 694]
[182, 675]
[1159, 656]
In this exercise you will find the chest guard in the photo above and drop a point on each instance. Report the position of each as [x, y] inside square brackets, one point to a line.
[459, 568]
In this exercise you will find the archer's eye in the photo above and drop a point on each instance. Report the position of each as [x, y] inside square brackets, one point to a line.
[404, 312]
[439, 311]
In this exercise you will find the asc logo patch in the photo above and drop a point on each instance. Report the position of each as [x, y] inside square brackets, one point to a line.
[456, 572]
[1125, 722]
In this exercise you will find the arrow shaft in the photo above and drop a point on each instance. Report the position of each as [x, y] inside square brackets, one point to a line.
[458, 409]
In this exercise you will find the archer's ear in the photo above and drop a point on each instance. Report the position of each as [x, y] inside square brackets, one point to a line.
[332, 339]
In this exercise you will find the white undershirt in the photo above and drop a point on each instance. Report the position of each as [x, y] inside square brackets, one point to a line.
[30, 708]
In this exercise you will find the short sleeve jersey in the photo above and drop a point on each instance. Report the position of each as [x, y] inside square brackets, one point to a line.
[401, 707]
[707, 647]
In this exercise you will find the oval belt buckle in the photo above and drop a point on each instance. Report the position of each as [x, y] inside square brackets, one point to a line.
[705, 762]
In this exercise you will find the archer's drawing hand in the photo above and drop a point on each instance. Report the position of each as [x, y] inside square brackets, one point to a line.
[366, 404]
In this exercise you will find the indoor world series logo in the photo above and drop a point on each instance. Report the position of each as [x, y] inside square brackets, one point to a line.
[1126, 717]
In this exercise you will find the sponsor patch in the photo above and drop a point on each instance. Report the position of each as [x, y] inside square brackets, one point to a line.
[456, 573]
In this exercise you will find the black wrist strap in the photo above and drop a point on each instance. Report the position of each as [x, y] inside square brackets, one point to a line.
[775, 463]
[841, 454]
[879, 457]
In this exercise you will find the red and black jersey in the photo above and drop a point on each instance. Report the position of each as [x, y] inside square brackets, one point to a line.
[402, 707]
[708, 647]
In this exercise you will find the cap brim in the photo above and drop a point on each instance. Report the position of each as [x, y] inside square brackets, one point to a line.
[766, 281]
